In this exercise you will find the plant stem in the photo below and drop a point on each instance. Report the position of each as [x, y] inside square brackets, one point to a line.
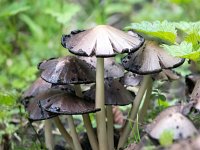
[100, 103]
[133, 112]
[77, 145]
[110, 129]
[48, 134]
[63, 131]
[87, 122]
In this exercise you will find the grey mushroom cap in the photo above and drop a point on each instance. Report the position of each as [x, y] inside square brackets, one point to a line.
[67, 70]
[195, 96]
[167, 75]
[61, 102]
[101, 41]
[171, 120]
[41, 85]
[131, 79]
[115, 93]
[190, 81]
[150, 59]
[111, 68]
[35, 111]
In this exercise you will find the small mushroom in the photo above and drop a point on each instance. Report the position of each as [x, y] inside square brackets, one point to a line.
[115, 93]
[67, 70]
[102, 40]
[190, 81]
[172, 120]
[150, 59]
[61, 102]
[111, 68]
[167, 75]
[131, 79]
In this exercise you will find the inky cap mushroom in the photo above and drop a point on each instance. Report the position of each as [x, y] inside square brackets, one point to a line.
[150, 59]
[195, 96]
[35, 111]
[131, 79]
[102, 41]
[61, 102]
[67, 70]
[173, 121]
[112, 69]
[115, 93]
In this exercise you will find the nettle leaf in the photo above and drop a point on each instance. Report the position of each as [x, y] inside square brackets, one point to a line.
[165, 30]
[7, 99]
[193, 38]
[183, 50]
[188, 27]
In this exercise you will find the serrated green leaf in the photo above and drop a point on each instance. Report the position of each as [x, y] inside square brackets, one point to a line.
[166, 138]
[183, 50]
[188, 27]
[7, 99]
[162, 30]
[193, 38]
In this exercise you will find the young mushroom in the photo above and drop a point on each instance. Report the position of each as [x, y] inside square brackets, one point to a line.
[149, 59]
[172, 120]
[101, 41]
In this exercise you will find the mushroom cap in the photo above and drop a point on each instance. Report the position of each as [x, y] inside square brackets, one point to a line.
[35, 111]
[41, 85]
[150, 59]
[101, 41]
[190, 81]
[38, 86]
[111, 68]
[67, 70]
[173, 120]
[61, 102]
[195, 96]
[115, 93]
[131, 79]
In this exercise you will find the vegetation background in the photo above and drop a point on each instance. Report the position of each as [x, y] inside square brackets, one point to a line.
[30, 31]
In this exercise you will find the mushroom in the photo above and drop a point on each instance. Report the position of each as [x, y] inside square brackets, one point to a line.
[148, 59]
[190, 81]
[101, 41]
[36, 112]
[71, 70]
[174, 121]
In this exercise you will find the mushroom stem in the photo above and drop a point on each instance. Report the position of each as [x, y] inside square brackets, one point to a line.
[134, 111]
[63, 131]
[77, 145]
[100, 103]
[48, 134]
[110, 130]
[143, 110]
[87, 122]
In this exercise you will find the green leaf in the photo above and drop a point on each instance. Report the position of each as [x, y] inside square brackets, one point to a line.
[166, 138]
[188, 27]
[14, 9]
[7, 99]
[193, 38]
[183, 50]
[162, 30]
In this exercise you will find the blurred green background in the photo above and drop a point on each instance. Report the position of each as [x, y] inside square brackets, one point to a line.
[30, 31]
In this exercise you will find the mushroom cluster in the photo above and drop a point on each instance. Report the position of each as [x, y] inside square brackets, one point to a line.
[58, 91]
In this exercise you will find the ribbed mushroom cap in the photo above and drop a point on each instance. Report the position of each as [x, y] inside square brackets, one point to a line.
[173, 121]
[195, 96]
[61, 102]
[150, 59]
[67, 70]
[38, 86]
[111, 67]
[41, 85]
[101, 41]
[35, 111]
[115, 93]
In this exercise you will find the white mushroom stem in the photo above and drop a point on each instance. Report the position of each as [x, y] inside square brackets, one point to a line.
[87, 122]
[48, 134]
[143, 110]
[110, 129]
[77, 145]
[63, 131]
[100, 103]
[134, 110]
